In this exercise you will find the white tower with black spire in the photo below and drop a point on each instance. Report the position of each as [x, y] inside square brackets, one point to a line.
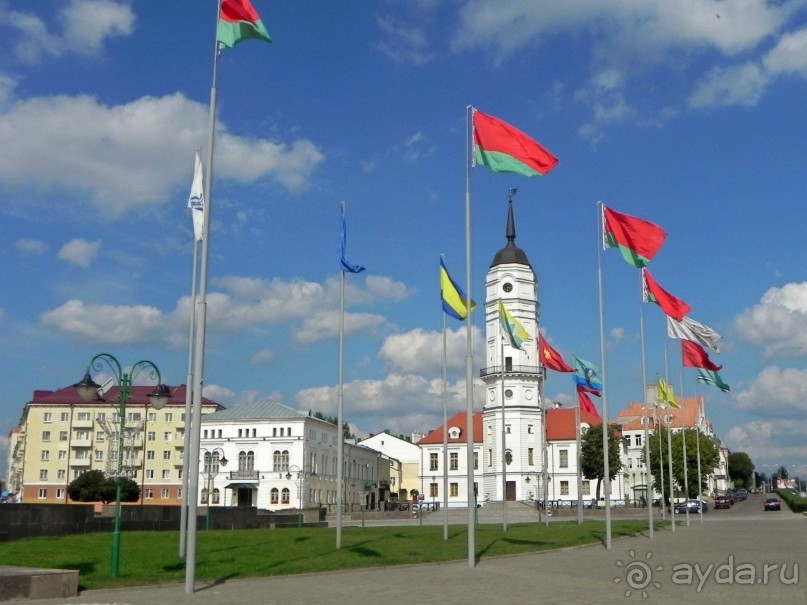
[511, 416]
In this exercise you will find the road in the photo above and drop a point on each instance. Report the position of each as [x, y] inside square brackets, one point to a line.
[742, 554]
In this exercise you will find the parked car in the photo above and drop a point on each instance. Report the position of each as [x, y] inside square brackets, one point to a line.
[773, 504]
[694, 506]
[741, 494]
[722, 502]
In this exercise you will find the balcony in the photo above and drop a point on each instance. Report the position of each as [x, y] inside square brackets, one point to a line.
[81, 462]
[510, 370]
[244, 475]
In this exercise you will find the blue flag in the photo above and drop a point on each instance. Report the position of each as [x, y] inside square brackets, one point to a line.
[587, 376]
[348, 266]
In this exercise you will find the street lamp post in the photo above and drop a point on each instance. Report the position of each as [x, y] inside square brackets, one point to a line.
[302, 473]
[213, 460]
[88, 391]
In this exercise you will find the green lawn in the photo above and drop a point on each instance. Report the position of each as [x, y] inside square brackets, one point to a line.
[153, 557]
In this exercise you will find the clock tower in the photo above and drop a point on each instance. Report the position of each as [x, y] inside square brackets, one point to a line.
[512, 413]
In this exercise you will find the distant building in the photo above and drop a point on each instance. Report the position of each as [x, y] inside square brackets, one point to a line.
[279, 458]
[61, 436]
[404, 460]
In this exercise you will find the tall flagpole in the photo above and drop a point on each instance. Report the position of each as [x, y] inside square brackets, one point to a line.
[698, 446]
[686, 462]
[191, 462]
[504, 448]
[445, 426]
[579, 445]
[670, 468]
[644, 418]
[660, 458]
[340, 454]
[605, 443]
[183, 522]
[469, 366]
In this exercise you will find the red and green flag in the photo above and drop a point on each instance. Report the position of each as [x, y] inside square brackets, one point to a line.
[239, 21]
[503, 148]
[672, 306]
[638, 240]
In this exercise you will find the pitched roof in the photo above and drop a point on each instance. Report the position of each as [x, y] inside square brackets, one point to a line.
[691, 408]
[139, 396]
[256, 410]
[458, 420]
[560, 423]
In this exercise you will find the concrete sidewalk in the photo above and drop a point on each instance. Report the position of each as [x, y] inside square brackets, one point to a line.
[756, 559]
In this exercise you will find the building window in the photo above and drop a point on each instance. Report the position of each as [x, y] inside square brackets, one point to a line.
[564, 488]
[60, 493]
[454, 461]
[586, 488]
[43, 475]
[100, 416]
[216, 495]
[166, 473]
[149, 473]
[61, 474]
[99, 455]
[152, 436]
[43, 493]
[276, 461]
[45, 435]
[529, 429]
[637, 440]
[134, 416]
[167, 435]
[62, 454]
[99, 436]
[83, 416]
[64, 416]
[476, 461]
[48, 417]
[44, 455]
[490, 456]
[169, 417]
[432, 462]
[150, 455]
[167, 455]
[564, 458]
[284, 460]
[530, 456]
[273, 496]
[204, 496]
[149, 494]
[165, 493]
[454, 489]
[152, 416]
[62, 435]
[284, 496]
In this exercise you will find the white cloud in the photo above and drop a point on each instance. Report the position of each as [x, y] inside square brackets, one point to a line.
[724, 86]
[789, 55]
[421, 351]
[79, 252]
[262, 357]
[769, 442]
[31, 247]
[775, 392]
[325, 324]
[778, 323]
[108, 324]
[402, 43]
[127, 156]
[85, 26]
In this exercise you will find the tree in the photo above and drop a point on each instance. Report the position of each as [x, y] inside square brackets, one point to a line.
[95, 486]
[591, 456]
[709, 459]
[741, 469]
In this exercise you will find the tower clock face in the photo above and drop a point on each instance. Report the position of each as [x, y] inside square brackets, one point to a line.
[507, 287]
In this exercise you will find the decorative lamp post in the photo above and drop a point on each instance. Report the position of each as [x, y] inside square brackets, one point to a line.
[88, 390]
[302, 473]
[212, 461]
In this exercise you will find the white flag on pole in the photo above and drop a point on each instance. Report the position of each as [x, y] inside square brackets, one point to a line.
[196, 201]
[689, 329]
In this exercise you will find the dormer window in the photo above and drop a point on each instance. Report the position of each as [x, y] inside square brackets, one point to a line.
[454, 432]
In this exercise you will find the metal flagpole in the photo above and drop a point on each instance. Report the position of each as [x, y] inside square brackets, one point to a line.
[698, 446]
[660, 458]
[670, 468]
[579, 469]
[191, 461]
[445, 428]
[605, 443]
[504, 449]
[686, 462]
[644, 418]
[340, 454]
[544, 465]
[183, 522]
[469, 366]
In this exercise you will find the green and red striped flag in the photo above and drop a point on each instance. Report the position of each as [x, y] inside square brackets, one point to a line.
[239, 21]
[638, 240]
[503, 148]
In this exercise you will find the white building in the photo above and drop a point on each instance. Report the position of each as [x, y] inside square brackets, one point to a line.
[278, 458]
[404, 462]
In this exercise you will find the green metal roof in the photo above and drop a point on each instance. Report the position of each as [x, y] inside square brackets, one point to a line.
[256, 410]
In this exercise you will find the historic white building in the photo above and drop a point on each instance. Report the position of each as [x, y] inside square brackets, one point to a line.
[278, 458]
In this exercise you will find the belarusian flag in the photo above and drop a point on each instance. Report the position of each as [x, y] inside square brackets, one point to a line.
[672, 306]
[503, 148]
[239, 21]
[695, 356]
[638, 240]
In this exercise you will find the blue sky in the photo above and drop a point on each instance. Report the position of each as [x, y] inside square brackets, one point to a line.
[688, 114]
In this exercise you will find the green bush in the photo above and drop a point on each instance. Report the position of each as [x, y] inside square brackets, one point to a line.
[796, 503]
